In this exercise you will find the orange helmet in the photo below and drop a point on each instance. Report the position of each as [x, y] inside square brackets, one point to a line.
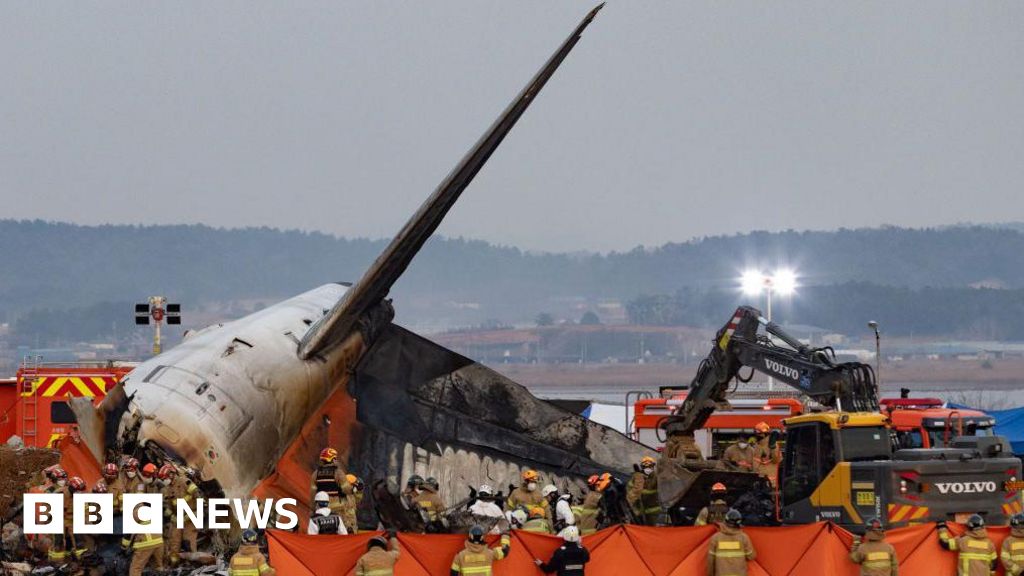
[166, 470]
[603, 481]
[149, 470]
[328, 455]
[530, 476]
[647, 461]
[762, 428]
[536, 512]
[718, 487]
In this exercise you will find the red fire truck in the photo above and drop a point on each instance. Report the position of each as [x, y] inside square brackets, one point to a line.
[34, 404]
[723, 427]
[925, 423]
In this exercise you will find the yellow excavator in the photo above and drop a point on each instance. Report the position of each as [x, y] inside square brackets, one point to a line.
[840, 463]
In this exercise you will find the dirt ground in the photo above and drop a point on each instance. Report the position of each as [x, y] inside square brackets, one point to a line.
[16, 469]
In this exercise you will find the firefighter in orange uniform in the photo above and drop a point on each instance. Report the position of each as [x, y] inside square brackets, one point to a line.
[730, 549]
[976, 554]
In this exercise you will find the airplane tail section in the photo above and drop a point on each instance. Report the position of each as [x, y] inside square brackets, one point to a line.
[375, 284]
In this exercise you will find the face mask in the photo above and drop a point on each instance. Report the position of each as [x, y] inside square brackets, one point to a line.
[648, 471]
[62, 483]
[147, 480]
[166, 481]
[130, 474]
[743, 445]
[531, 486]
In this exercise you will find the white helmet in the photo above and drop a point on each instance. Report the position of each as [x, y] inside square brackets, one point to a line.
[548, 490]
[485, 490]
[519, 515]
[571, 534]
[321, 497]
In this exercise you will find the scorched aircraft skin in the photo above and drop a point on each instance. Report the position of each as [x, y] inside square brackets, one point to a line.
[249, 404]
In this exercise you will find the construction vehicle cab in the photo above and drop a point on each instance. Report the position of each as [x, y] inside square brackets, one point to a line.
[814, 477]
[926, 423]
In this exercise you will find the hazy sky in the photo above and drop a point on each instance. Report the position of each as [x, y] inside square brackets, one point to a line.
[670, 119]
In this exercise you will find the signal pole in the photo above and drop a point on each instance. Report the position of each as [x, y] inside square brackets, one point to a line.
[159, 310]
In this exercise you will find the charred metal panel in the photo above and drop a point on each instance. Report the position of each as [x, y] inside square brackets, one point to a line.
[412, 391]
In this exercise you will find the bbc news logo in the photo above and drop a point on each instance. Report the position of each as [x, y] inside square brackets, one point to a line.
[143, 513]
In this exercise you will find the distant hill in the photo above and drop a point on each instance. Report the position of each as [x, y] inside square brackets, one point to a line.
[63, 266]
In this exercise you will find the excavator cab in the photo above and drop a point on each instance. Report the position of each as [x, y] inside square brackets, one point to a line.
[815, 481]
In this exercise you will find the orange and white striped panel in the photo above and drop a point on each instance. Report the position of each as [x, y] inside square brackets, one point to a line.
[1013, 507]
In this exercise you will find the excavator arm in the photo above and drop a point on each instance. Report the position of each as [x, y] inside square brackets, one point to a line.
[813, 372]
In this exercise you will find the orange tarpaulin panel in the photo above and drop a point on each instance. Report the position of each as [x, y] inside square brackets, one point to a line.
[664, 549]
[525, 547]
[429, 554]
[812, 550]
[614, 555]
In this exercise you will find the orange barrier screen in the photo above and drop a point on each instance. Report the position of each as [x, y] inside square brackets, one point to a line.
[812, 550]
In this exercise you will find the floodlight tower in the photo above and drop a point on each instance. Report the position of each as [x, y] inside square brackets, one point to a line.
[781, 281]
[159, 310]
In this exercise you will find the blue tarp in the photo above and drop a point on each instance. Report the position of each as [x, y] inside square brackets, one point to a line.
[1009, 423]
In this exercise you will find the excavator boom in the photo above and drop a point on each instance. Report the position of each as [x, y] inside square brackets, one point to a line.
[814, 372]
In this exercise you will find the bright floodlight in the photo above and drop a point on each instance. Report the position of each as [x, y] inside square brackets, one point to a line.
[784, 282]
[752, 282]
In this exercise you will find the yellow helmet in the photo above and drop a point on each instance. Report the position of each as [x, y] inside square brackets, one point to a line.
[647, 461]
[536, 512]
[530, 476]
[352, 478]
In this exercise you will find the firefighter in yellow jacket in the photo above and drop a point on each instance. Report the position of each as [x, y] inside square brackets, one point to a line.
[379, 560]
[476, 559]
[976, 552]
[715, 511]
[527, 494]
[249, 561]
[730, 549]
[1012, 554]
[588, 514]
[144, 549]
[875, 556]
[175, 487]
[331, 478]
[351, 496]
[642, 492]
